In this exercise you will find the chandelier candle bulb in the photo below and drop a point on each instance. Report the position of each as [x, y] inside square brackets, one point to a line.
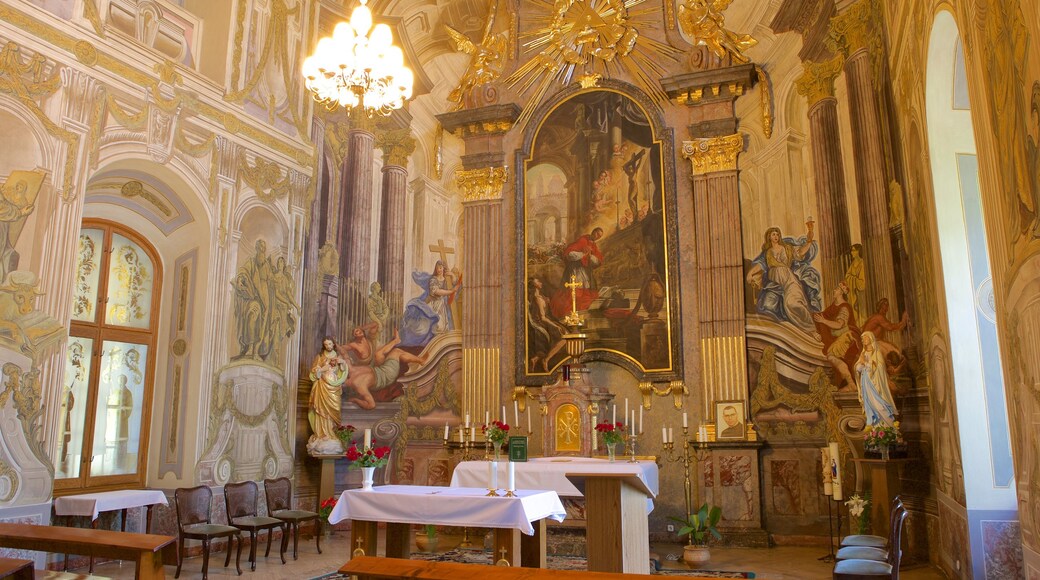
[368, 438]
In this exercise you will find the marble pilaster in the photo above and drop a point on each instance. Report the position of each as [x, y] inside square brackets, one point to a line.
[481, 181]
[817, 86]
[856, 33]
[355, 229]
[720, 267]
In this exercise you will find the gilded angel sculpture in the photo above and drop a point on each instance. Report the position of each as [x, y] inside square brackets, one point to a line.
[704, 22]
[487, 59]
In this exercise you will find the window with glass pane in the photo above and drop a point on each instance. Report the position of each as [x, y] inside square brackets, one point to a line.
[107, 389]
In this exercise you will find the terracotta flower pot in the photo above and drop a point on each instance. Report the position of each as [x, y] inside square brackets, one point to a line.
[695, 555]
[425, 543]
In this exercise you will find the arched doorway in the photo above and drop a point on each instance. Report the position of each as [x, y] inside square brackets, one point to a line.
[982, 418]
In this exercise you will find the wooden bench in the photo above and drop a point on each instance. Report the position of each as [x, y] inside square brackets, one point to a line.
[147, 551]
[375, 568]
[16, 569]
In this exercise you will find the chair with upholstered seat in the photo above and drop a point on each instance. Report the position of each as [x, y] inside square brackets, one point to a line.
[279, 505]
[870, 540]
[240, 500]
[873, 569]
[193, 523]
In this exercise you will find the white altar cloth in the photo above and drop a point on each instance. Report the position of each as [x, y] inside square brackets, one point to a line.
[551, 473]
[91, 504]
[447, 506]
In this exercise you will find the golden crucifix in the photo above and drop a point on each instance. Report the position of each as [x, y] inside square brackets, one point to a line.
[573, 319]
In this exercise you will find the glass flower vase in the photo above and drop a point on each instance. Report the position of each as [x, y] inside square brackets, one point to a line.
[610, 451]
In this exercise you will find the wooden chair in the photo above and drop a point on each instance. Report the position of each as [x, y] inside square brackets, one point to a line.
[279, 505]
[871, 553]
[193, 523]
[871, 540]
[873, 569]
[240, 500]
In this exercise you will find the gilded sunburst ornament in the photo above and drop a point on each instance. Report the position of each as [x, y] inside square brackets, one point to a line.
[585, 39]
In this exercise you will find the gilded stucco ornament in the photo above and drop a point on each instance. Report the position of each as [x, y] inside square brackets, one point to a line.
[817, 82]
[265, 177]
[487, 59]
[713, 154]
[397, 146]
[481, 184]
[859, 28]
[704, 22]
[585, 37]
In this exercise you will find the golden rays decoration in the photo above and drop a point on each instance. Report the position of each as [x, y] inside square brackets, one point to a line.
[585, 38]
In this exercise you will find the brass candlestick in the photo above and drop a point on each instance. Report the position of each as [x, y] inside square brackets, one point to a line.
[693, 453]
[630, 446]
[466, 445]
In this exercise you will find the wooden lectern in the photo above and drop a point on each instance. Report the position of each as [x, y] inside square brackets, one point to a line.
[617, 532]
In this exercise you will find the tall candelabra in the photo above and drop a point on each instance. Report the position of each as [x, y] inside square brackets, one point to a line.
[693, 452]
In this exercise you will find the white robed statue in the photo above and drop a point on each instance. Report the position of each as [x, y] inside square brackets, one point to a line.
[879, 407]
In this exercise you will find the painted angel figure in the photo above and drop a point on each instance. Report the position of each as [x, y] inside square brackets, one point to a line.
[704, 22]
[487, 58]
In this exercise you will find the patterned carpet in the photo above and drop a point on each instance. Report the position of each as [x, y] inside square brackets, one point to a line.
[554, 563]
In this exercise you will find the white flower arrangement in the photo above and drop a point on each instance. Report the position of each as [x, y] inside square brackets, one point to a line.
[857, 511]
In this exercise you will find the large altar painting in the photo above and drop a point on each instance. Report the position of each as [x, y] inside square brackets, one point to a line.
[594, 209]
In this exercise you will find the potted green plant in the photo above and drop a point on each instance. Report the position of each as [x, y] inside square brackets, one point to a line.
[699, 526]
[426, 538]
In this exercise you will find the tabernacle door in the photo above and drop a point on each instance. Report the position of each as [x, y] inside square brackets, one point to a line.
[617, 532]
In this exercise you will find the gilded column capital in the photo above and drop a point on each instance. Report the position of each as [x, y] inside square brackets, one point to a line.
[713, 154]
[397, 146]
[481, 184]
[857, 28]
[817, 82]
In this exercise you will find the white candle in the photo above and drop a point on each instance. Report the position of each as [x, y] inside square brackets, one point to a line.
[492, 475]
[473, 436]
[835, 458]
[529, 421]
[462, 438]
[684, 420]
[447, 431]
[503, 414]
[633, 423]
[512, 476]
[704, 433]
[516, 413]
[671, 436]
[487, 417]
[368, 438]
[626, 409]
[664, 435]
[613, 414]
[640, 419]
[467, 419]
[592, 429]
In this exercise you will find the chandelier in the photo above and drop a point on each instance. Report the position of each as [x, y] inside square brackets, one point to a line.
[359, 67]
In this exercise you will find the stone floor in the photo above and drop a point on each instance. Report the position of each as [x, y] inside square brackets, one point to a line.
[779, 563]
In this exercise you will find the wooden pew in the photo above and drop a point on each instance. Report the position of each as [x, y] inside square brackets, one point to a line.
[145, 550]
[375, 568]
[16, 569]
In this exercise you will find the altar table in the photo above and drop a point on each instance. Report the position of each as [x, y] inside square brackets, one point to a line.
[92, 504]
[551, 473]
[401, 505]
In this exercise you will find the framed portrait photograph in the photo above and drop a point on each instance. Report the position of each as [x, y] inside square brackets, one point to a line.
[730, 424]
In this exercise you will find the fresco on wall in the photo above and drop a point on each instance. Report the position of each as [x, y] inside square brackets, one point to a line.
[595, 216]
[265, 311]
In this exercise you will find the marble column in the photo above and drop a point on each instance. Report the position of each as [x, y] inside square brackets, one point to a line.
[397, 145]
[720, 267]
[857, 34]
[355, 230]
[817, 86]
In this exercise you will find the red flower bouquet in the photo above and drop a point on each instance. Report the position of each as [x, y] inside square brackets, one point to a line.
[369, 457]
[326, 507]
[613, 433]
[496, 433]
